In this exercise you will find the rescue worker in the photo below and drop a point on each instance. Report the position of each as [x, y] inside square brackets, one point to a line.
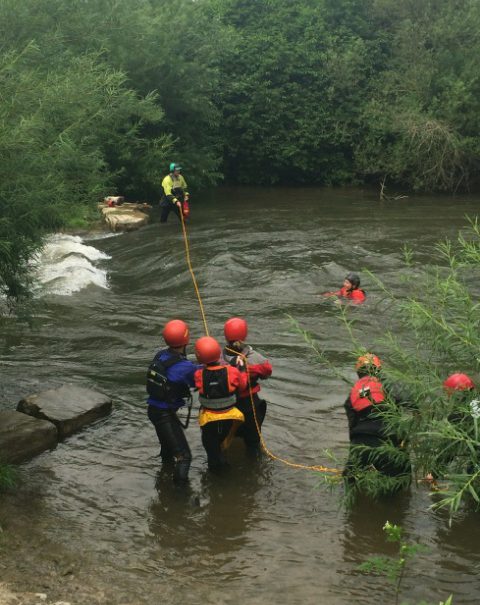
[218, 384]
[459, 387]
[463, 416]
[458, 383]
[367, 399]
[175, 195]
[169, 379]
[258, 368]
[350, 290]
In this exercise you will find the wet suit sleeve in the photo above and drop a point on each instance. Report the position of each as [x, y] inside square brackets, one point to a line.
[357, 296]
[258, 365]
[260, 370]
[184, 371]
[197, 377]
[336, 293]
[351, 416]
[239, 379]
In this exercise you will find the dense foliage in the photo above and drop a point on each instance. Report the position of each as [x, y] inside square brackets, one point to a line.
[336, 91]
[100, 96]
[95, 97]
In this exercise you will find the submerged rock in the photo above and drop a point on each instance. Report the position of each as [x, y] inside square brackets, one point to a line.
[23, 437]
[69, 407]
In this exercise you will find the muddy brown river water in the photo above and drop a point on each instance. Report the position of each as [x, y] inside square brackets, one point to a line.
[98, 521]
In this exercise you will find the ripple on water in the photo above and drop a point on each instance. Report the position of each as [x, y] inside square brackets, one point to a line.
[265, 533]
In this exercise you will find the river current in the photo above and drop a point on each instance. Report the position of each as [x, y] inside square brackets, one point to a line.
[98, 521]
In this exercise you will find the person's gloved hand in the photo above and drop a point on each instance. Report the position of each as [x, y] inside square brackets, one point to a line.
[240, 364]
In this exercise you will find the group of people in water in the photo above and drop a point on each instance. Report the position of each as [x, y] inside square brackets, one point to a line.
[374, 444]
[227, 381]
[228, 393]
[228, 386]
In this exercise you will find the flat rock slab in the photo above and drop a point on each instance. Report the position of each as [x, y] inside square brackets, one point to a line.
[23, 437]
[69, 407]
[126, 217]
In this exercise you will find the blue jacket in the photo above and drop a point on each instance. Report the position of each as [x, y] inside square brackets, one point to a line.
[182, 373]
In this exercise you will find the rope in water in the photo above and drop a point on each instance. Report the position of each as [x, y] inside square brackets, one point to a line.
[190, 268]
[313, 467]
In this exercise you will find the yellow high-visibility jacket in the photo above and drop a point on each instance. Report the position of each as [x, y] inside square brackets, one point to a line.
[170, 182]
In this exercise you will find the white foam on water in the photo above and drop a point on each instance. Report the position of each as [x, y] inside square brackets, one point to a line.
[66, 265]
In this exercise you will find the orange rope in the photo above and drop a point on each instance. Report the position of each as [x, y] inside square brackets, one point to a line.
[189, 263]
[314, 467]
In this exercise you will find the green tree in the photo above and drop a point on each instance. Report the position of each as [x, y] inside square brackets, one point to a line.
[420, 126]
[292, 85]
[57, 127]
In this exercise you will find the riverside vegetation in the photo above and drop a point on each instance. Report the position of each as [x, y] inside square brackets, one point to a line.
[98, 97]
[440, 319]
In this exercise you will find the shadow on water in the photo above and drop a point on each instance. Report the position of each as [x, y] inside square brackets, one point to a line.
[363, 537]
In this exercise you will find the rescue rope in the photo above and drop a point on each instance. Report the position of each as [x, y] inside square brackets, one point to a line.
[190, 268]
[314, 467]
[309, 467]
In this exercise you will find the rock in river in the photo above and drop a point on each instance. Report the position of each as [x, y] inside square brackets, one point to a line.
[69, 407]
[125, 217]
[23, 437]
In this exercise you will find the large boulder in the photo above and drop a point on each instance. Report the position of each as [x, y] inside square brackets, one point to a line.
[69, 407]
[23, 437]
[125, 217]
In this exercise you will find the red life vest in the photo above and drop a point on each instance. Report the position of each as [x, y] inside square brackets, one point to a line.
[366, 392]
[357, 295]
[216, 387]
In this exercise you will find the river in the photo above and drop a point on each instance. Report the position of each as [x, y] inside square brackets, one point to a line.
[97, 521]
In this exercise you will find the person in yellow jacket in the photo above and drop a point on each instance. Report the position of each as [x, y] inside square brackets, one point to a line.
[175, 193]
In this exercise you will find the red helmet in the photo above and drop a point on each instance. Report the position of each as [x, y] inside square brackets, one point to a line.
[235, 328]
[369, 359]
[366, 392]
[458, 382]
[176, 333]
[207, 349]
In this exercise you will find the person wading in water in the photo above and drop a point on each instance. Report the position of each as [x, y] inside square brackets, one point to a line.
[350, 290]
[258, 367]
[169, 379]
[218, 385]
[175, 195]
